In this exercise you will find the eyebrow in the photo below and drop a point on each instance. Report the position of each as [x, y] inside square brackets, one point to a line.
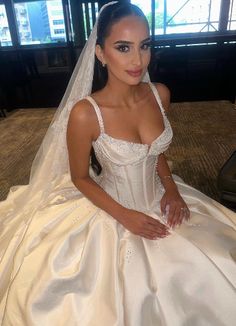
[128, 42]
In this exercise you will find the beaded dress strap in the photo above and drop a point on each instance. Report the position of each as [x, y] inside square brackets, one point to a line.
[157, 96]
[98, 113]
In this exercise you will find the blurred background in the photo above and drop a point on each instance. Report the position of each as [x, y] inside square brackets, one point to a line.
[194, 48]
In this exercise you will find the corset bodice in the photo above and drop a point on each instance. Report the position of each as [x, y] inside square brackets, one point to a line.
[129, 169]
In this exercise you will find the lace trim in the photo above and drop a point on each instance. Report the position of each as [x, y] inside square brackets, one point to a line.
[98, 113]
[159, 145]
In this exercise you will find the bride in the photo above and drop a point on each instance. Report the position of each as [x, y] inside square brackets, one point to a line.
[104, 234]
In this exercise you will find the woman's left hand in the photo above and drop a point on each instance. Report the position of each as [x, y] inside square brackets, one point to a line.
[175, 207]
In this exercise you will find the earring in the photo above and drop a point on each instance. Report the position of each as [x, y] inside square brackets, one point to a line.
[103, 64]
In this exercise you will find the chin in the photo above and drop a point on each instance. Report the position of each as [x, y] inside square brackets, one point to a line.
[128, 80]
[134, 80]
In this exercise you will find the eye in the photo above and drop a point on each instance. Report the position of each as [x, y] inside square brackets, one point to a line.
[146, 46]
[123, 48]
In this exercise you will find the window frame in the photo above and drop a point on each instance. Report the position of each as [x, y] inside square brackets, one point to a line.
[10, 11]
[2, 2]
[223, 35]
[230, 20]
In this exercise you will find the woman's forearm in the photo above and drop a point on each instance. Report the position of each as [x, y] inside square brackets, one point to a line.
[99, 197]
[164, 173]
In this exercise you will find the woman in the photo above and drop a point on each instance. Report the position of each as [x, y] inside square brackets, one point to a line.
[126, 53]
[108, 251]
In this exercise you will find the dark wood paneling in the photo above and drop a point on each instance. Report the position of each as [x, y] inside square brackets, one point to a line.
[38, 78]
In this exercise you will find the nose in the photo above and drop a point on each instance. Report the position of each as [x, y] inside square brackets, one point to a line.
[137, 58]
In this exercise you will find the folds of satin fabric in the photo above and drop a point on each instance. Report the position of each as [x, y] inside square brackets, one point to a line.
[76, 265]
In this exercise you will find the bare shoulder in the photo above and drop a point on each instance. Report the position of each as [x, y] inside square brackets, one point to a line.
[82, 111]
[164, 94]
[83, 115]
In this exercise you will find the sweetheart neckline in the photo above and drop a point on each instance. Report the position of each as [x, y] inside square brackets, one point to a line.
[134, 143]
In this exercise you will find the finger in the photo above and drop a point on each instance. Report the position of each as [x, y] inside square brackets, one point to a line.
[187, 214]
[158, 229]
[182, 215]
[149, 236]
[171, 215]
[163, 206]
[159, 236]
[162, 229]
[157, 232]
[157, 226]
[156, 223]
[150, 228]
[176, 217]
[151, 232]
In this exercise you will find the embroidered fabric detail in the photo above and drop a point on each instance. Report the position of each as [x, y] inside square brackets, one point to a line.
[128, 254]
[157, 96]
[98, 113]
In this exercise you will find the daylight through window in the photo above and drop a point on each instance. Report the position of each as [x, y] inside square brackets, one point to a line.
[40, 22]
[186, 16]
[5, 36]
[90, 12]
[232, 16]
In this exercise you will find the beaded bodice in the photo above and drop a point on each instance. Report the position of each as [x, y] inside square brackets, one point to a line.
[129, 169]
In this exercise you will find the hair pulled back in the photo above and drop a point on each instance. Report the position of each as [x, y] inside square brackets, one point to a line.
[113, 14]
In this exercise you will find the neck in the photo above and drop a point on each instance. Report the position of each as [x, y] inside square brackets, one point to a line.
[121, 93]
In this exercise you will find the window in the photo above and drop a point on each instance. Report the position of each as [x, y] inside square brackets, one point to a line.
[56, 3]
[192, 16]
[5, 36]
[232, 16]
[56, 12]
[59, 31]
[35, 21]
[186, 16]
[90, 11]
[58, 22]
[145, 6]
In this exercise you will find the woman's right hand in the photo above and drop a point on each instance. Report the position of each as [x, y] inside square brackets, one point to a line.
[143, 225]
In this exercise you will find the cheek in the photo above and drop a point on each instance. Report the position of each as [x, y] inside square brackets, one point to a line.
[147, 57]
[116, 59]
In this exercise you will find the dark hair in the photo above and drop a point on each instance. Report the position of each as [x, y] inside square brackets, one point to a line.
[113, 14]
[109, 16]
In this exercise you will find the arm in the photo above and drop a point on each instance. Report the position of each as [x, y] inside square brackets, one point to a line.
[79, 143]
[178, 209]
[164, 94]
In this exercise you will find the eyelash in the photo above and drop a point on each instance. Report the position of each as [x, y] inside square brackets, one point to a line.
[125, 48]
[122, 48]
[146, 46]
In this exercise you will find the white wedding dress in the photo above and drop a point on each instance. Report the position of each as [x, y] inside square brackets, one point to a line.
[75, 265]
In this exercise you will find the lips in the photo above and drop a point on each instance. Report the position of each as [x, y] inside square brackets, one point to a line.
[134, 73]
